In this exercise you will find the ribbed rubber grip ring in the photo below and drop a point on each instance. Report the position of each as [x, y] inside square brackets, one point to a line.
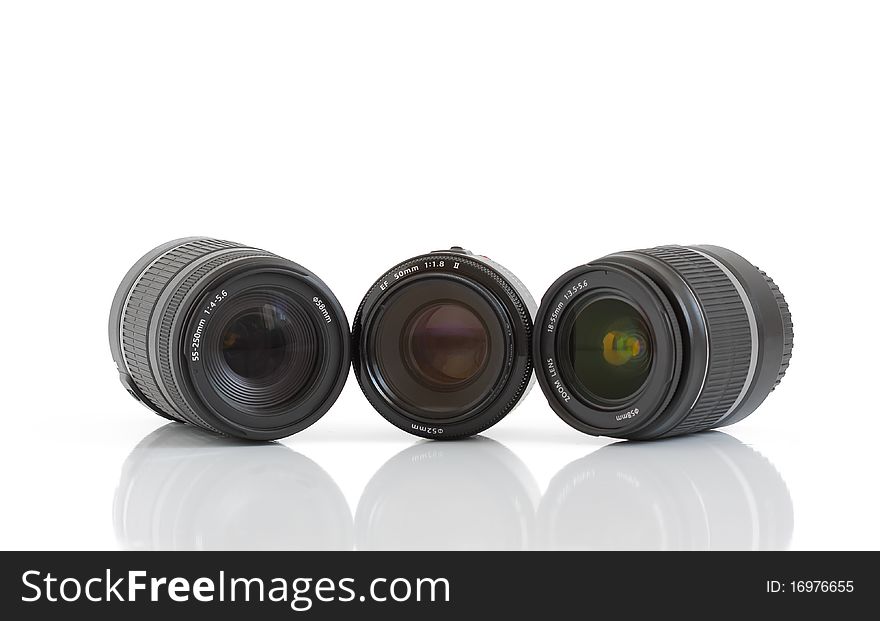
[166, 345]
[729, 329]
[138, 311]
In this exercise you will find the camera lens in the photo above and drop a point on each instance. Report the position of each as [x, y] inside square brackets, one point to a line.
[442, 344]
[230, 338]
[660, 342]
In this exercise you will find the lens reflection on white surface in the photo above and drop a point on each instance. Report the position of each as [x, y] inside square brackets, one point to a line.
[182, 488]
[185, 489]
[473, 494]
[702, 492]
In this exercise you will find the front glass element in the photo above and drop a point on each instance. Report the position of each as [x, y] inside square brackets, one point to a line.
[610, 349]
[446, 344]
[255, 343]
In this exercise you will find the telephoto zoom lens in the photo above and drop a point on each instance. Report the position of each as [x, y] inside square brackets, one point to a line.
[660, 342]
[442, 344]
[229, 338]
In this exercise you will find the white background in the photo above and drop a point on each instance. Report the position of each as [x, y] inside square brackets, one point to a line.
[350, 136]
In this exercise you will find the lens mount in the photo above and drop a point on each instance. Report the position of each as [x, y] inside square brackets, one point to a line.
[230, 338]
[441, 344]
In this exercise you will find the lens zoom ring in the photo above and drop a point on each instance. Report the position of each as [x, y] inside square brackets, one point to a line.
[166, 346]
[139, 308]
[787, 328]
[730, 339]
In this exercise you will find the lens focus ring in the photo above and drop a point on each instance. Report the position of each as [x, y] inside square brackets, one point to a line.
[730, 335]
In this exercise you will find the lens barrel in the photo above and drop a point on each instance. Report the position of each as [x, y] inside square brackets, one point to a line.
[660, 342]
[441, 344]
[230, 338]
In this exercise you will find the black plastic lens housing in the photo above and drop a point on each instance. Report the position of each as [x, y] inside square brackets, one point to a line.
[660, 342]
[230, 338]
[442, 342]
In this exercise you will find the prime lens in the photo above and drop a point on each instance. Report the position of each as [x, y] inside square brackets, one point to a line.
[230, 338]
[441, 344]
[662, 341]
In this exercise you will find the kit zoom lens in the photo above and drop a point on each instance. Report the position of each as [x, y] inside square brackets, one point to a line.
[441, 344]
[229, 338]
[660, 342]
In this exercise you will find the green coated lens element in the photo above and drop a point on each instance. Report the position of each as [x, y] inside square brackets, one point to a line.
[610, 350]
